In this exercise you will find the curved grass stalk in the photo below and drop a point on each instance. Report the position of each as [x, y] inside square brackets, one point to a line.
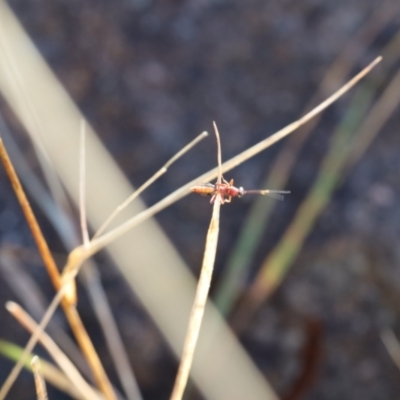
[107, 238]
[149, 182]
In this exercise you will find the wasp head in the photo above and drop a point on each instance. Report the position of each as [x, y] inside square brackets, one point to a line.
[241, 192]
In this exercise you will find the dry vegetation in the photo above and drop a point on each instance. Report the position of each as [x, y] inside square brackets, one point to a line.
[222, 369]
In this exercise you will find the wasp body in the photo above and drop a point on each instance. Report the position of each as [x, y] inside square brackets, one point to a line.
[226, 190]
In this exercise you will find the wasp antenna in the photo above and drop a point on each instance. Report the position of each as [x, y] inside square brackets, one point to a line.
[275, 196]
[278, 191]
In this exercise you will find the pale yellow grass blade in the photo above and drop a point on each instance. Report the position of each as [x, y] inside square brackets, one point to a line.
[203, 287]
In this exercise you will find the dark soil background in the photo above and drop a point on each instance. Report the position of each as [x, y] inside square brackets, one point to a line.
[150, 76]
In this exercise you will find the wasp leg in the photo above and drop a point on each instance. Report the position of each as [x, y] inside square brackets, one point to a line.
[230, 199]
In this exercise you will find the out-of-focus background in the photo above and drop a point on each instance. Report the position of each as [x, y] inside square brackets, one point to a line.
[151, 75]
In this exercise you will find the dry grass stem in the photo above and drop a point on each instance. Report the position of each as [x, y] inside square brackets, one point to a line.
[66, 231]
[219, 153]
[30, 218]
[31, 296]
[107, 238]
[51, 373]
[340, 156]
[59, 115]
[55, 352]
[30, 345]
[69, 309]
[80, 254]
[40, 384]
[82, 191]
[149, 182]
[336, 73]
[114, 342]
[50, 205]
[87, 346]
[203, 287]
[277, 263]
